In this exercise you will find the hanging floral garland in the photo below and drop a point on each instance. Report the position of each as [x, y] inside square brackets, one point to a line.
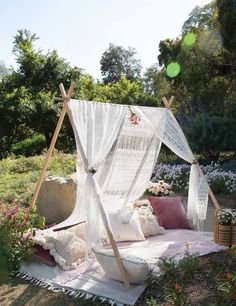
[134, 119]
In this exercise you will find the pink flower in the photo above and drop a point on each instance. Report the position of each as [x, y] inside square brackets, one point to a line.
[134, 119]
[12, 212]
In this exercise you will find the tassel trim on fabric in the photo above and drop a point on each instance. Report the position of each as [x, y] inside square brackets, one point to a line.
[73, 293]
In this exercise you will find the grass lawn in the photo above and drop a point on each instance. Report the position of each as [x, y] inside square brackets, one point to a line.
[18, 175]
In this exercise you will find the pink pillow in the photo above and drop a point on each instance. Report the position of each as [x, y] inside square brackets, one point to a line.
[170, 212]
[42, 256]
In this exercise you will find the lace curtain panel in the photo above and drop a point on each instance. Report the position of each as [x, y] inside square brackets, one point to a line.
[124, 155]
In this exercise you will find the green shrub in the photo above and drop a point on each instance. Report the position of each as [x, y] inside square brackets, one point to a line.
[210, 135]
[30, 146]
[19, 175]
[17, 224]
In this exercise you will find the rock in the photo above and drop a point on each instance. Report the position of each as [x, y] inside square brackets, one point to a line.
[56, 199]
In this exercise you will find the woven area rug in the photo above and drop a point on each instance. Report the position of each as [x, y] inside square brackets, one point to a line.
[94, 282]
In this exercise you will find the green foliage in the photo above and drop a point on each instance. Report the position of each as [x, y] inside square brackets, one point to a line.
[169, 50]
[168, 269]
[122, 92]
[117, 61]
[175, 274]
[211, 135]
[62, 164]
[175, 295]
[202, 18]
[19, 175]
[30, 146]
[227, 20]
[15, 115]
[26, 104]
[3, 70]
[189, 264]
[151, 301]
[173, 271]
[206, 83]
[17, 224]
[180, 279]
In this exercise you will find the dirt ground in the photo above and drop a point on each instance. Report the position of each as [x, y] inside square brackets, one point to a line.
[17, 292]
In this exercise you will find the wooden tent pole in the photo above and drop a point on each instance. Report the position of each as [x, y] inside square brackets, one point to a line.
[168, 103]
[66, 98]
[119, 261]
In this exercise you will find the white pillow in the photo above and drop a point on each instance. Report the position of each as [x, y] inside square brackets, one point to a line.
[137, 269]
[125, 225]
[66, 248]
[79, 230]
[149, 223]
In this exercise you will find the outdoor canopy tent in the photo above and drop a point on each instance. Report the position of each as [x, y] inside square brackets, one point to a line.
[118, 159]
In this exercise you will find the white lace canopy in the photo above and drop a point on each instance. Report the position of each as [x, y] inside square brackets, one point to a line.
[118, 160]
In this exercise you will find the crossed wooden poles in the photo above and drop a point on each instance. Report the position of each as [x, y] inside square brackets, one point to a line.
[66, 98]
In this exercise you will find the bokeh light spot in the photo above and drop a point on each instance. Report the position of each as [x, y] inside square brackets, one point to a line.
[210, 42]
[173, 69]
[189, 40]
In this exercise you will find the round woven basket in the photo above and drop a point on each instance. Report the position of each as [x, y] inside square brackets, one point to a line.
[233, 238]
[225, 235]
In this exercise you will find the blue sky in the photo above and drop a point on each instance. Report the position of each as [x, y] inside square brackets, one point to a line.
[81, 30]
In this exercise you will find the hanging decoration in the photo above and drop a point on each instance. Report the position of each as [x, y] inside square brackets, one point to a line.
[134, 119]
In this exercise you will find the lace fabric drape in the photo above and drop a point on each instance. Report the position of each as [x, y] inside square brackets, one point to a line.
[123, 155]
[173, 137]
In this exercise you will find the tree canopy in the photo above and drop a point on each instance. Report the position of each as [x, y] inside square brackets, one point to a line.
[117, 61]
[227, 20]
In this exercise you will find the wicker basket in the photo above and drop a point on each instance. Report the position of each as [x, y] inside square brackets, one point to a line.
[224, 234]
[233, 237]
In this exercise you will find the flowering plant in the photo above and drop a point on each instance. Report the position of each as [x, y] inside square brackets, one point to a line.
[17, 225]
[224, 217]
[160, 188]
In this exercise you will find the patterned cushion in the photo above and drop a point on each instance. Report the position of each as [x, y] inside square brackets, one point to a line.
[66, 248]
[149, 223]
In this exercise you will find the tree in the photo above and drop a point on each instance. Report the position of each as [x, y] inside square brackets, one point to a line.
[122, 92]
[202, 18]
[211, 135]
[3, 70]
[227, 20]
[156, 84]
[27, 93]
[15, 113]
[169, 50]
[117, 61]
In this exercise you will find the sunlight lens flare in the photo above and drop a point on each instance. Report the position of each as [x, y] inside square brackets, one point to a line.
[210, 41]
[173, 69]
[189, 40]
